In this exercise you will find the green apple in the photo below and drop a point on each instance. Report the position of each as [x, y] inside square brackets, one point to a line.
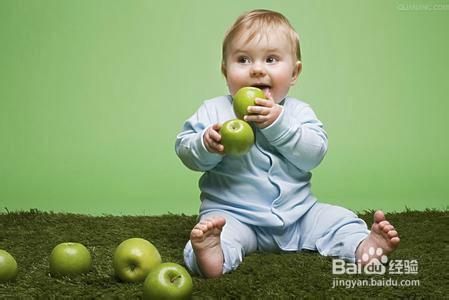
[246, 96]
[237, 137]
[168, 281]
[134, 258]
[8, 267]
[70, 259]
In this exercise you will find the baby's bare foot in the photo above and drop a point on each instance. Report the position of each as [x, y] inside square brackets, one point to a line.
[205, 239]
[383, 235]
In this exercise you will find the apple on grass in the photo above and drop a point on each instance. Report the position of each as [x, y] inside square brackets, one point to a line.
[70, 259]
[168, 281]
[246, 96]
[237, 137]
[134, 258]
[8, 267]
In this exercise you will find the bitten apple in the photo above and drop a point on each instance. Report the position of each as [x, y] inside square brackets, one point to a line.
[8, 267]
[70, 259]
[237, 137]
[245, 97]
[134, 258]
[168, 281]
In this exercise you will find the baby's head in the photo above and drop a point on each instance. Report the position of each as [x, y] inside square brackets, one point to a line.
[261, 49]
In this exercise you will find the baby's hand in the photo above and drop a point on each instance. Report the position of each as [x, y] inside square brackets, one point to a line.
[212, 138]
[264, 113]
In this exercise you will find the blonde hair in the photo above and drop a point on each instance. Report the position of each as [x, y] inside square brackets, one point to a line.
[257, 21]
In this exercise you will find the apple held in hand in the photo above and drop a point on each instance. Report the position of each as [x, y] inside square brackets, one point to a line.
[237, 137]
[70, 259]
[134, 258]
[168, 281]
[245, 97]
[8, 267]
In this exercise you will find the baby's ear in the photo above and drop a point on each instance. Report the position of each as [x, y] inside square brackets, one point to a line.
[296, 71]
[223, 69]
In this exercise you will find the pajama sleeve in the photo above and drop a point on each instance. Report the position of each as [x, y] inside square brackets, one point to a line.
[299, 136]
[189, 143]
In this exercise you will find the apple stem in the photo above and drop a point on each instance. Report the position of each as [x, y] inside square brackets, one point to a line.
[175, 278]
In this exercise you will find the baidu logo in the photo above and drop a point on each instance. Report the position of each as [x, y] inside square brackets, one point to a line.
[372, 262]
[375, 262]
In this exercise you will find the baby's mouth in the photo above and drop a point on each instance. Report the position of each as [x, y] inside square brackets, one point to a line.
[265, 88]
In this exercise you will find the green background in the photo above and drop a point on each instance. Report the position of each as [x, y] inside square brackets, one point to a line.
[93, 94]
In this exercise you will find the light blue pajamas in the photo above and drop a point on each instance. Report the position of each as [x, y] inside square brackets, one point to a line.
[265, 195]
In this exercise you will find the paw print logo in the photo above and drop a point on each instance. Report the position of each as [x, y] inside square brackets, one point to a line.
[374, 261]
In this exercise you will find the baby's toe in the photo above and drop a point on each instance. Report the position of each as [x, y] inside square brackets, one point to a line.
[196, 234]
[201, 226]
[395, 241]
[379, 216]
[392, 233]
[383, 224]
[388, 228]
[209, 224]
[219, 222]
[203, 222]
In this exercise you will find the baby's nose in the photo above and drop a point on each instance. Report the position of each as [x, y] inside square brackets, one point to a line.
[257, 70]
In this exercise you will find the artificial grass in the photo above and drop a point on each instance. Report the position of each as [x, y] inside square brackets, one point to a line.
[30, 237]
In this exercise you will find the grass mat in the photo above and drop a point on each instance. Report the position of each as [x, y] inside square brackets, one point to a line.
[30, 237]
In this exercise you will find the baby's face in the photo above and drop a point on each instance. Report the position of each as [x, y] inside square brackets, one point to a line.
[266, 62]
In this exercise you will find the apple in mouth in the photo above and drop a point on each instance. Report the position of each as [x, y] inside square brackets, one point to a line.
[246, 96]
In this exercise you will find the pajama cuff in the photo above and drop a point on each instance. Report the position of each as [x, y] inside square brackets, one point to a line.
[351, 243]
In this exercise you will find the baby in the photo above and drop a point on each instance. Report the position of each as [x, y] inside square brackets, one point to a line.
[262, 200]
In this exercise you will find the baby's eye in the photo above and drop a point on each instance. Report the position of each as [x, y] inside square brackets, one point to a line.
[272, 59]
[243, 60]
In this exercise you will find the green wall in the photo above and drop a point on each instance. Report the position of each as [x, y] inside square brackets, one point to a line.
[93, 93]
